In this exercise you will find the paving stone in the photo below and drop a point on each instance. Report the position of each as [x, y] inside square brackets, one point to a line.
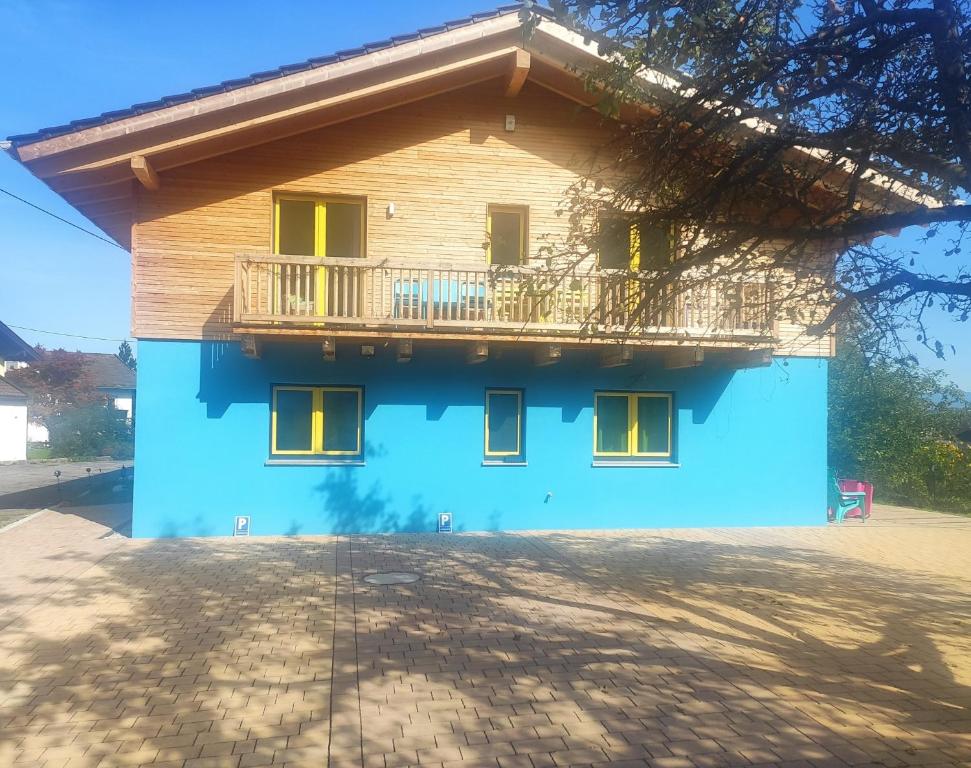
[810, 647]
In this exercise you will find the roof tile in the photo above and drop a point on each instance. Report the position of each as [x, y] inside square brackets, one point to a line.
[9, 391]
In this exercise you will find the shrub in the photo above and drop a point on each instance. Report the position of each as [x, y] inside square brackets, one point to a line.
[85, 431]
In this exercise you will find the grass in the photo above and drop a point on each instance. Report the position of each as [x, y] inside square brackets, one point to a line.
[38, 452]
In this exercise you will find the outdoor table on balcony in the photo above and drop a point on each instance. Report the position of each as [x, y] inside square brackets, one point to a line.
[452, 299]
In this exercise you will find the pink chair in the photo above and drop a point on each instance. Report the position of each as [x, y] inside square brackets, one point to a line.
[859, 486]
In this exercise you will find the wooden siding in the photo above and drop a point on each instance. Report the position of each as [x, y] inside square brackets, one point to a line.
[442, 161]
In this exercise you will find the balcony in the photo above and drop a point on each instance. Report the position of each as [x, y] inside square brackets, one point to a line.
[364, 297]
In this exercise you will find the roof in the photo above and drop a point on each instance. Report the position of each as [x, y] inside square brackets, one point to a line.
[107, 371]
[9, 392]
[92, 163]
[12, 347]
[260, 77]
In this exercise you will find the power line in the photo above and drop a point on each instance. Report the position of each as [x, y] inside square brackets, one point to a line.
[59, 218]
[60, 333]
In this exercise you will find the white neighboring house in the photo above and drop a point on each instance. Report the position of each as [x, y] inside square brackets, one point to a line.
[13, 423]
[14, 353]
[106, 372]
[37, 432]
[112, 377]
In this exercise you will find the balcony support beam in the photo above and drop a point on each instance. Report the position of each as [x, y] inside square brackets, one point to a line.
[684, 358]
[518, 72]
[145, 173]
[328, 348]
[616, 357]
[548, 354]
[478, 352]
[251, 347]
[404, 351]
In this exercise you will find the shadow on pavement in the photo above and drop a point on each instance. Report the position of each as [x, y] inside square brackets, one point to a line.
[100, 497]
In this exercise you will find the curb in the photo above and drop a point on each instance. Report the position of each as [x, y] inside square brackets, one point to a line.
[23, 520]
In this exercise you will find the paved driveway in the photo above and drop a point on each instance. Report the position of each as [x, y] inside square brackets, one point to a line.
[796, 647]
[28, 487]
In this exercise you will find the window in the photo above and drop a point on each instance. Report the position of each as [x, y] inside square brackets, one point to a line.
[308, 421]
[633, 245]
[507, 234]
[652, 245]
[614, 242]
[319, 226]
[635, 424]
[504, 424]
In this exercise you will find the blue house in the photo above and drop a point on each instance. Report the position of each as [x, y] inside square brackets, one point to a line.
[346, 323]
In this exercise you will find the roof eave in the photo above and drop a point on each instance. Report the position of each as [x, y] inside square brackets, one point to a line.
[59, 159]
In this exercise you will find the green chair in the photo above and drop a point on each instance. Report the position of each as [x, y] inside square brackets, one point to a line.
[841, 501]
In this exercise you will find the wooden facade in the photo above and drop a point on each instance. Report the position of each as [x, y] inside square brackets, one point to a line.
[438, 164]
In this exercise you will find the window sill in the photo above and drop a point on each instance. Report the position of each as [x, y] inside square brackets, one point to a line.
[322, 462]
[488, 463]
[608, 463]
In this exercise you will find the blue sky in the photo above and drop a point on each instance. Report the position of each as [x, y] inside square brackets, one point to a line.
[65, 60]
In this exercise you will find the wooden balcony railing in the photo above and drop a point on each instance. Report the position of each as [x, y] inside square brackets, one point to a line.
[316, 292]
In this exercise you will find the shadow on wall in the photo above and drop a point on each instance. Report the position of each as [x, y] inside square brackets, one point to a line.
[348, 506]
[227, 377]
[354, 509]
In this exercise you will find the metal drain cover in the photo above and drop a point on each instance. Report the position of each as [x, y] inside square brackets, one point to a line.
[385, 579]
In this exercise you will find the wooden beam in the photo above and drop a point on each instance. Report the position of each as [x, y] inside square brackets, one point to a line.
[404, 351]
[655, 342]
[329, 349]
[691, 357]
[145, 173]
[251, 347]
[616, 356]
[548, 354]
[478, 352]
[518, 72]
[746, 358]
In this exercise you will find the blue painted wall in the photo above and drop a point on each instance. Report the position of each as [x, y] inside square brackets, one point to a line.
[751, 445]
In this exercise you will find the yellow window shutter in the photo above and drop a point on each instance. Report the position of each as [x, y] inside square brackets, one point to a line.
[635, 247]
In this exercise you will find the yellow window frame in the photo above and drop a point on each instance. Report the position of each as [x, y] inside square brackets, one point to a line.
[522, 211]
[320, 219]
[320, 234]
[360, 420]
[315, 410]
[317, 421]
[634, 243]
[632, 425]
[519, 422]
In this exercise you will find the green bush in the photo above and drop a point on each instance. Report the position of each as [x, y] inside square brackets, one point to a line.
[85, 431]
